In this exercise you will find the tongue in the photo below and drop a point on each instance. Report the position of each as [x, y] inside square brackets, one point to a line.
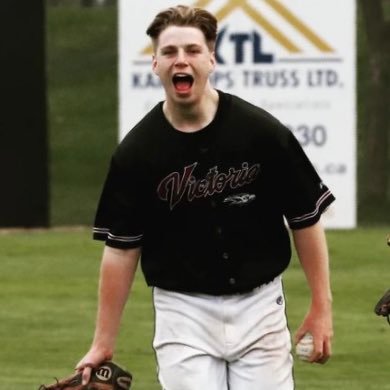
[183, 85]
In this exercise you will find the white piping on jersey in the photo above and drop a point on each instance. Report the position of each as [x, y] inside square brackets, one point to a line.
[113, 237]
[100, 230]
[124, 238]
[313, 213]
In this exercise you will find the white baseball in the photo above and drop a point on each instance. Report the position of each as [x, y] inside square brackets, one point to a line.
[305, 347]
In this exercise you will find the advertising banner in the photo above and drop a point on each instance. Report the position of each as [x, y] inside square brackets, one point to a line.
[293, 58]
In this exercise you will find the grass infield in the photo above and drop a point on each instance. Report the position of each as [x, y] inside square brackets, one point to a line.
[48, 285]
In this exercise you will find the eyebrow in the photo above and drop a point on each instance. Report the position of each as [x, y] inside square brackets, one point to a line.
[187, 46]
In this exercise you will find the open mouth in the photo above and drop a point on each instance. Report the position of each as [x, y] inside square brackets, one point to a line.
[182, 82]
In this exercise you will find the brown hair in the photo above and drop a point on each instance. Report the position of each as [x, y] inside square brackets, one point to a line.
[182, 15]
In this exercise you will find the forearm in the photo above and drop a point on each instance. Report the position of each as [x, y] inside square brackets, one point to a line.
[311, 247]
[312, 251]
[116, 278]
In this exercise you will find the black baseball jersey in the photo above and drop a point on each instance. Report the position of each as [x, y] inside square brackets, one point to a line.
[209, 208]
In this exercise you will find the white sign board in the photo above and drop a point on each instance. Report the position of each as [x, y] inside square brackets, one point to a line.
[294, 58]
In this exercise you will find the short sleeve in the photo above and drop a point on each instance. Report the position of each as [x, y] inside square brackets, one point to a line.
[305, 196]
[118, 219]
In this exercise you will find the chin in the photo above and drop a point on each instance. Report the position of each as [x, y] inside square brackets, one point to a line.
[185, 98]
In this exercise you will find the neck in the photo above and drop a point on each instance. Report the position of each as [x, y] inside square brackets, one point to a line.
[190, 118]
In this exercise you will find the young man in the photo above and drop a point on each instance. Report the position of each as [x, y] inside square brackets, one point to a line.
[202, 185]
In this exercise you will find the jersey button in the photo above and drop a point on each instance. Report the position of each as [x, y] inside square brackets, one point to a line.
[219, 231]
[225, 256]
[232, 281]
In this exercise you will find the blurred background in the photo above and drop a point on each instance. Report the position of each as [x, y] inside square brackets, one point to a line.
[58, 128]
[73, 51]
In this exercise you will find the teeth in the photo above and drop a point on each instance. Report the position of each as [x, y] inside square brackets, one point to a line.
[182, 76]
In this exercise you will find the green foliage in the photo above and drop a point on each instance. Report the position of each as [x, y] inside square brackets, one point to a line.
[373, 121]
[48, 303]
[82, 95]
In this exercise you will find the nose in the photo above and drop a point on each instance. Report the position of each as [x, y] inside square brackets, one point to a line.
[181, 59]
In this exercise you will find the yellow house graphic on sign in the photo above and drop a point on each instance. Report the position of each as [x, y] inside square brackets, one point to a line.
[271, 29]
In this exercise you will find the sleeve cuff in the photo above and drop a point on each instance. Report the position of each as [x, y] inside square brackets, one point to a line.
[314, 216]
[116, 241]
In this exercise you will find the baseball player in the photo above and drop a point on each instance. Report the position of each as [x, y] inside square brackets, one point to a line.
[203, 186]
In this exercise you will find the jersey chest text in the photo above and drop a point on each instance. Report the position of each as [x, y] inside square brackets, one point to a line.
[185, 185]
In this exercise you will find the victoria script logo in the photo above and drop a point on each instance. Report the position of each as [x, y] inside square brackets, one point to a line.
[175, 186]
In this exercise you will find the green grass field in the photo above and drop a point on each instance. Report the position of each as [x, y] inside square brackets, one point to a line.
[48, 300]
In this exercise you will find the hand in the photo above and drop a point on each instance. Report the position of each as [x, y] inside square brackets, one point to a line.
[91, 360]
[318, 322]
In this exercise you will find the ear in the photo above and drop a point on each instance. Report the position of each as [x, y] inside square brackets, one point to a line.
[154, 64]
[213, 62]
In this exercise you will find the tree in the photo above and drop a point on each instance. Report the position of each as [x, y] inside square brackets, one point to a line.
[376, 130]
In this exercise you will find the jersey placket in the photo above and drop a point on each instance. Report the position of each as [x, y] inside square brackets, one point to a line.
[222, 245]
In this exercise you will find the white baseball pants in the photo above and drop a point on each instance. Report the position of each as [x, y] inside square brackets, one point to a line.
[233, 342]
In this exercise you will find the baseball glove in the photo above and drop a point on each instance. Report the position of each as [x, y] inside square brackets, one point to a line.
[108, 376]
[382, 308]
